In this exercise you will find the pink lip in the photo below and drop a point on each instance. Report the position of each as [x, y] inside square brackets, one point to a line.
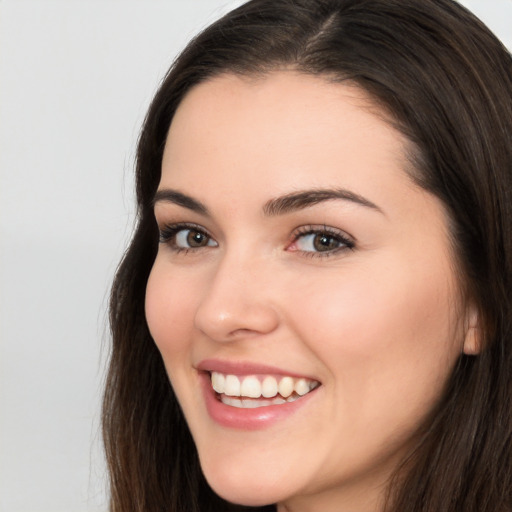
[244, 368]
[245, 419]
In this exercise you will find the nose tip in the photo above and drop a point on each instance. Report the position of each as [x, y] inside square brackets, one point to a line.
[228, 324]
[233, 308]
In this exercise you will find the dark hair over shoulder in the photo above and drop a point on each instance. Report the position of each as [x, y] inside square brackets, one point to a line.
[444, 81]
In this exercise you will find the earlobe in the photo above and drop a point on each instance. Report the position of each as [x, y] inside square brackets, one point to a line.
[473, 334]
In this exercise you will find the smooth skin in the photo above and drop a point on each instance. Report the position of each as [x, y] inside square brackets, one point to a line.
[360, 294]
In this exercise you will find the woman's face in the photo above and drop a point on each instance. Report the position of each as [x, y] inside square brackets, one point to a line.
[303, 271]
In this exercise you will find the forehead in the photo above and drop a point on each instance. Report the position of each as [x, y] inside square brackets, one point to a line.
[302, 105]
[285, 130]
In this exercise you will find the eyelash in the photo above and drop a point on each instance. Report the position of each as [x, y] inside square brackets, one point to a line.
[169, 232]
[346, 242]
[168, 235]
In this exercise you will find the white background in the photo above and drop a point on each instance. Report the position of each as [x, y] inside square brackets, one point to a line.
[76, 77]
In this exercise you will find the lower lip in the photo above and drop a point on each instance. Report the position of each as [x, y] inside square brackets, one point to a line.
[247, 419]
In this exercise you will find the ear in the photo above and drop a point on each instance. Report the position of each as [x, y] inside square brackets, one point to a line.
[473, 333]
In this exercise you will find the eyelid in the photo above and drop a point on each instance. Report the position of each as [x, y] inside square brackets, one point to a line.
[172, 228]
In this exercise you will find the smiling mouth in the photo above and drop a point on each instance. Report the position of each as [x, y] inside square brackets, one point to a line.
[252, 391]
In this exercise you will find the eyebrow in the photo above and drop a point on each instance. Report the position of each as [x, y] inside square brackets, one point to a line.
[278, 206]
[173, 196]
[306, 198]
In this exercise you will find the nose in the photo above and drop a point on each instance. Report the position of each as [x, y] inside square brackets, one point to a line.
[237, 301]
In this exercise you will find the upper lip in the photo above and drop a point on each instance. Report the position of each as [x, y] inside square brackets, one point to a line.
[245, 368]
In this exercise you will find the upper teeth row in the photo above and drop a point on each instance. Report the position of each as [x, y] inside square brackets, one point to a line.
[252, 387]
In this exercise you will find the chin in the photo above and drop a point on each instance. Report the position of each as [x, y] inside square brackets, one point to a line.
[245, 487]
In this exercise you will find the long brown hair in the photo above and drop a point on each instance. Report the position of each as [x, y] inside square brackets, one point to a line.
[445, 82]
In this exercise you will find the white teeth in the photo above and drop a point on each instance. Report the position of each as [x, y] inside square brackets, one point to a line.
[231, 401]
[231, 386]
[286, 387]
[218, 381]
[253, 404]
[249, 404]
[301, 387]
[269, 387]
[252, 387]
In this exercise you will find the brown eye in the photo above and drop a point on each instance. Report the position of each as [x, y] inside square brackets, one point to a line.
[320, 242]
[185, 237]
[325, 242]
[192, 239]
[196, 238]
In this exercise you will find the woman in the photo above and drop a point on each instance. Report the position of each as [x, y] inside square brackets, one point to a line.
[321, 268]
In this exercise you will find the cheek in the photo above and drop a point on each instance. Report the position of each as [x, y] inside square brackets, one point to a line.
[383, 336]
[169, 310]
[366, 311]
